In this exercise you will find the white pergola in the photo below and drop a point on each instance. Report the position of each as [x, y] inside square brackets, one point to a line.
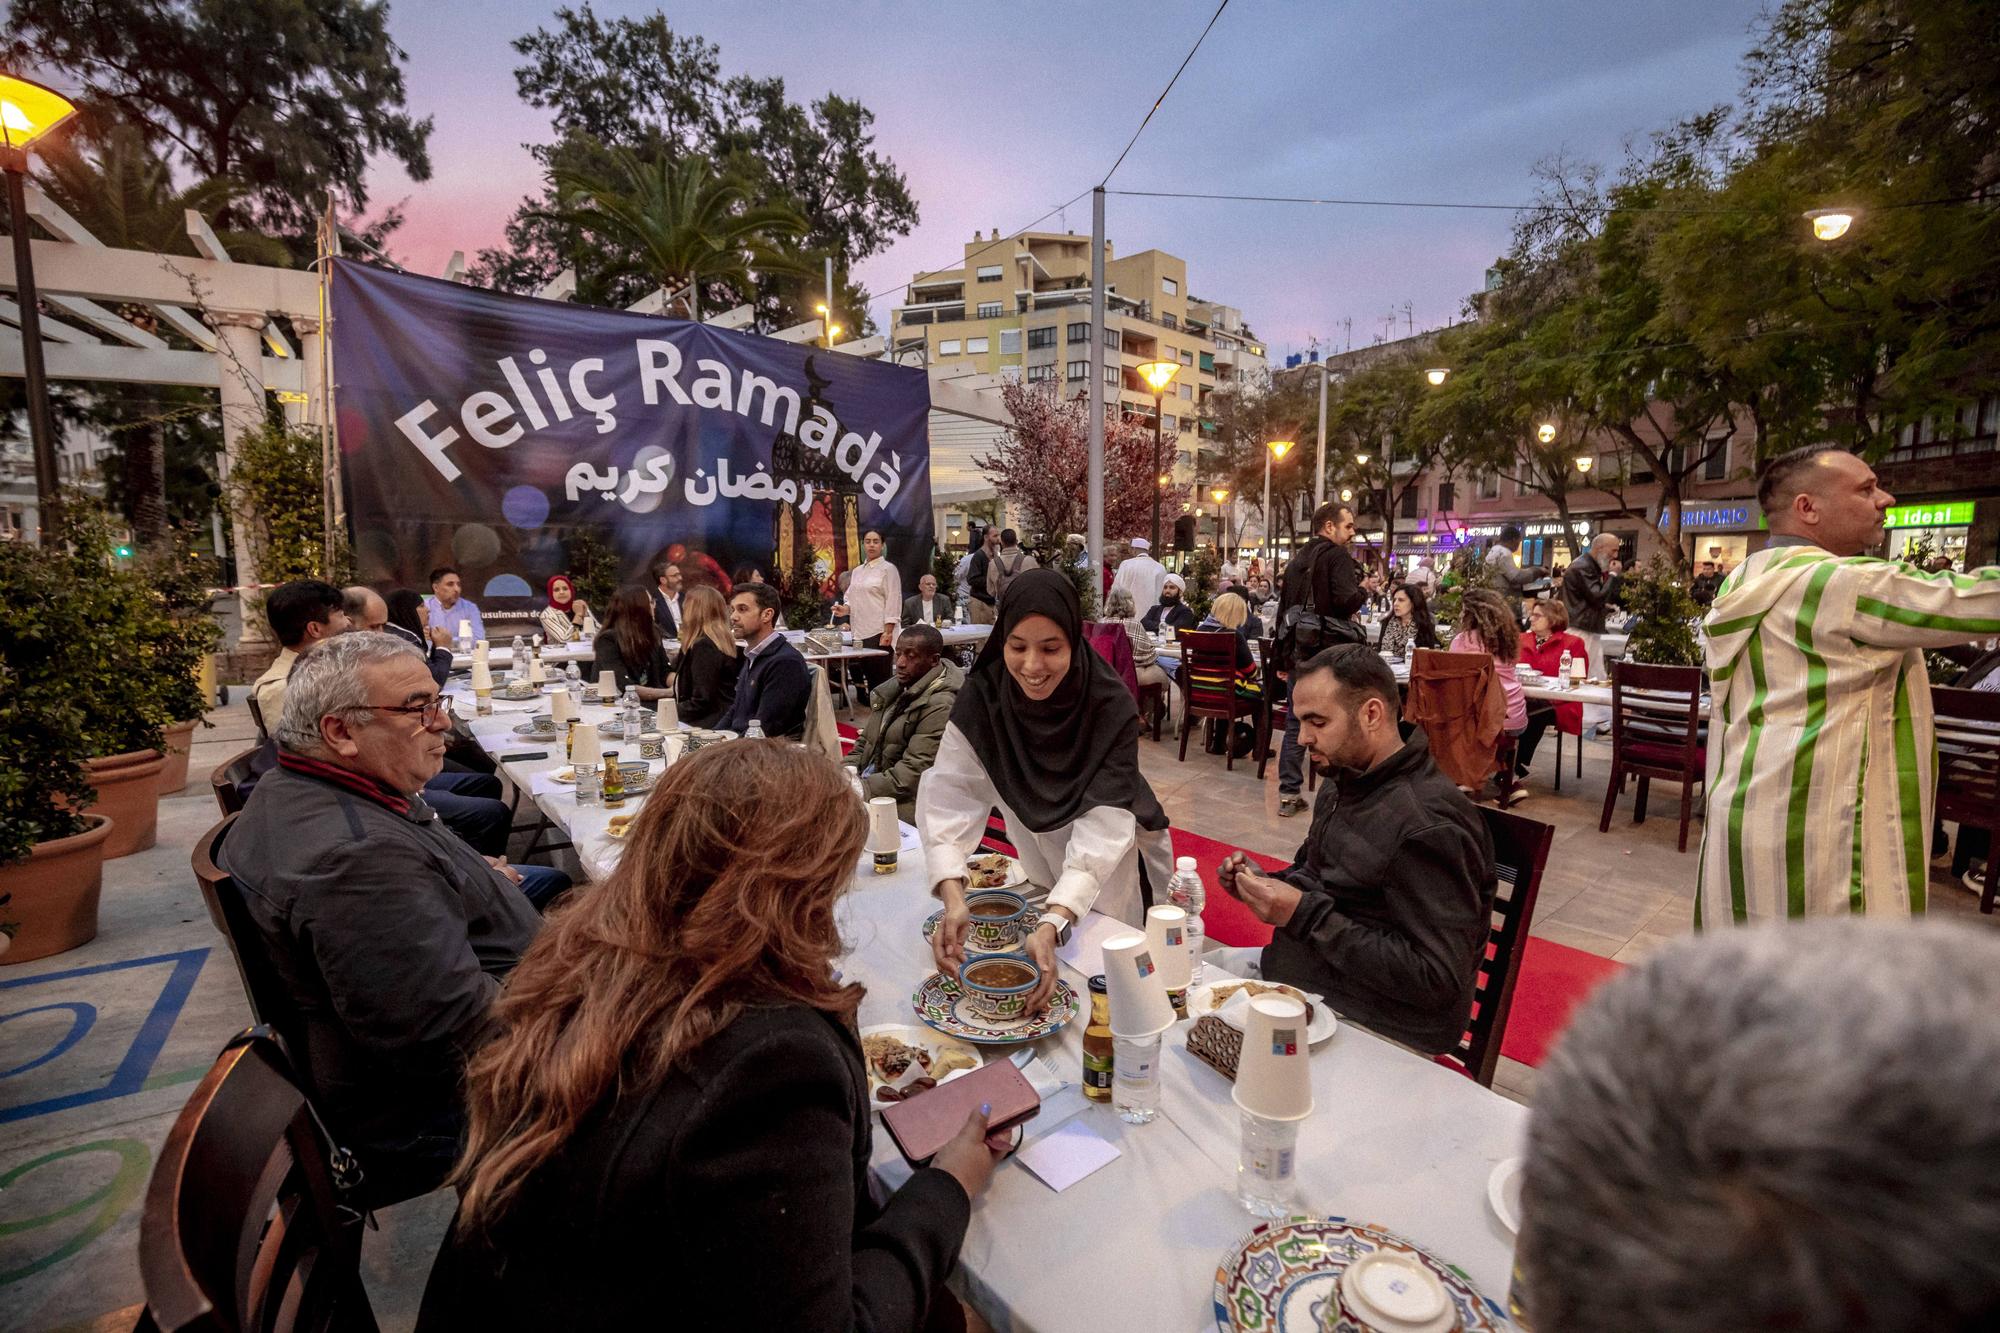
[226, 310]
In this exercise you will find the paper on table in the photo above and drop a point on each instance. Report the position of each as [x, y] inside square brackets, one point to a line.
[1085, 950]
[1062, 1158]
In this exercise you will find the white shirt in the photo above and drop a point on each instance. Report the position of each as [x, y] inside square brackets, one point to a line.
[1091, 862]
[874, 598]
[934, 611]
[1143, 577]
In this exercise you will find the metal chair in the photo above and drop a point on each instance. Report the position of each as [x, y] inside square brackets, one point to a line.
[1520, 853]
[1656, 732]
[244, 1227]
[1209, 681]
[1968, 774]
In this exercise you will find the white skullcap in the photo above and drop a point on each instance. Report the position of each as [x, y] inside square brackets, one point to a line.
[1141, 544]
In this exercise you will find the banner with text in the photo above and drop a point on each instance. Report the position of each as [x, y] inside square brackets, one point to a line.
[508, 436]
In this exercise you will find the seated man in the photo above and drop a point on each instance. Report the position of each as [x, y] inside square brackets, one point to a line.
[390, 933]
[1384, 909]
[302, 613]
[1783, 1128]
[774, 684]
[1171, 612]
[900, 739]
[928, 607]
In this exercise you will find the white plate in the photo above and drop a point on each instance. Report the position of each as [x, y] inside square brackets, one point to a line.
[912, 1035]
[1201, 1000]
[1016, 876]
[1503, 1193]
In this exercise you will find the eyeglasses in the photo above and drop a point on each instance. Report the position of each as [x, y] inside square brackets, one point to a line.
[430, 711]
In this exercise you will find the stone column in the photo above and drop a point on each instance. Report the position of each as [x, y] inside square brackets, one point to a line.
[239, 356]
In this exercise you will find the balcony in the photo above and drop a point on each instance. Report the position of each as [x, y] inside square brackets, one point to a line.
[930, 314]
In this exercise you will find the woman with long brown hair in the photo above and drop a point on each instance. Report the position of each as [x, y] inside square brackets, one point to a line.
[629, 646]
[710, 664]
[670, 1124]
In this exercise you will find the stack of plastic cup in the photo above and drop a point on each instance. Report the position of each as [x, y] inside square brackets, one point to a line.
[1166, 931]
[607, 686]
[1274, 1093]
[1140, 1013]
[562, 708]
[885, 834]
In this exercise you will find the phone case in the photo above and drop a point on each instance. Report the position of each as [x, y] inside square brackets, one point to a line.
[929, 1120]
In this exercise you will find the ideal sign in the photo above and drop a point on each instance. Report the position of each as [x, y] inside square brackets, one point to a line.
[1953, 514]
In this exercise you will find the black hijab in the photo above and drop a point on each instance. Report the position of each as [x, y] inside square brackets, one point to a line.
[1074, 751]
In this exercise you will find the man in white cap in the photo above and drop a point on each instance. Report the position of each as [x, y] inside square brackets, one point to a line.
[1141, 575]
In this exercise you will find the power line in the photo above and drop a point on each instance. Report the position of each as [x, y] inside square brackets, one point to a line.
[1515, 208]
[1163, 94]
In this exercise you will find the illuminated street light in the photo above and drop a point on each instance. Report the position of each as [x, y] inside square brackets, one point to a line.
[1272, 449]
[1584, 463]
[1436, 375]
[1830, 224]
[1220, 494]
[1546, 432]
[1361, 459]
[28, 111]
[1158, 376]
[1346, 494]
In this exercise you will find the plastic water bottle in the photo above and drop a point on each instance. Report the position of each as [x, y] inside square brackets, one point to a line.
[962, 599]
[631, 714]
[755, 731]
[572, 678]
[1185, 891]
[1562, 669]
[517, 661]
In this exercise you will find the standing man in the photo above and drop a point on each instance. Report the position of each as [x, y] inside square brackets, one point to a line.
[667, 597]
[1588, 585]
[447, 607]
[1707, 581]
[1821, 751]
[984, 601]
[1008, 563]
[1141, 575]
[774, 684]
[1510, 577]
[1317, 599]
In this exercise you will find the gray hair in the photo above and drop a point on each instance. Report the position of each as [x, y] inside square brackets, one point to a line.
[1120, 604]
[328, 680]
[1790, 1126]
[1605, 541]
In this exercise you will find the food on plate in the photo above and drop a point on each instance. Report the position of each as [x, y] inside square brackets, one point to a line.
[620, 825]
[1220, 995]
[990, 870]
[951, 1058]
[885, 1093]
[890, 1058]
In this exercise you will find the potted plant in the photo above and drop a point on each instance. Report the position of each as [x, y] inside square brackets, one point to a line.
[182, 639]
[51, 854]
[1667, 614]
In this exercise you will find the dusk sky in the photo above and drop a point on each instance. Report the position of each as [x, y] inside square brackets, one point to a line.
[997, 113]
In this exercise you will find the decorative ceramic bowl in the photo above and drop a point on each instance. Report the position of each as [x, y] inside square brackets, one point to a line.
[996, 918]
[997, 987]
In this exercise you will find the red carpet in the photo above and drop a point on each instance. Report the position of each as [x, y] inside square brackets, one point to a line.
[1553, 980]
[1223, 919]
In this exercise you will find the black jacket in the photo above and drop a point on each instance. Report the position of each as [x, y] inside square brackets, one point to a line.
[436, 658]
[1585, 590]
[1324, 579]
[706, 682]
[975, 576]
[734, 1194]
[654, 672]
[1397, 872]
[1178, 616]
[772, 689]
[663, 616]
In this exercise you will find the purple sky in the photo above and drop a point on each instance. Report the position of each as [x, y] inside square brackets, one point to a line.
[997, 113]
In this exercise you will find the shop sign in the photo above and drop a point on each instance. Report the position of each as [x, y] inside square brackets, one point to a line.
[1715, 517]
[1951, 514]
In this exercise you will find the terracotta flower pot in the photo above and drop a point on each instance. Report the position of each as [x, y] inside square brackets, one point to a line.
[128, 790]
[179, 740]
[55, 893]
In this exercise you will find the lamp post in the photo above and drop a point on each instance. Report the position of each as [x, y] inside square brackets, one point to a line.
[1159, 375]
[27, 112]
[1221, 497]
[1830, 224]
[1272, 449]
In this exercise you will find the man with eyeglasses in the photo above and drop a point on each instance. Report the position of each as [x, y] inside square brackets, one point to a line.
[390, 933]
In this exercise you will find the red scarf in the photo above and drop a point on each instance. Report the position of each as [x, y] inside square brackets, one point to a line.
[345, 777]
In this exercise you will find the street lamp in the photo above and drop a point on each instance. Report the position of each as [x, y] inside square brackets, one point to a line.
[1272, 449]
[1436, 375]
[1158, 376]
[1546, 432]
[1346, 494]
[1220, 495]
[1583, 463]
[27, 112]
[1830, 224]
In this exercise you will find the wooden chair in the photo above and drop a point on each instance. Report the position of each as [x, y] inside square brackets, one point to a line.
[1656, 732]
[1209, 681]
[243, 1227]
[1277, 714]
[257, 716]
[228, 778]
[1968, 775]
[1520, 853]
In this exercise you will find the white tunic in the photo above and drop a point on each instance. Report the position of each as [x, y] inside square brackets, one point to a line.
[874, 598]
[1143, 577]
[1090, 862]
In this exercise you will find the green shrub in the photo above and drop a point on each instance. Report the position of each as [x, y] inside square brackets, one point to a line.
[1667, 612]
[43, 740]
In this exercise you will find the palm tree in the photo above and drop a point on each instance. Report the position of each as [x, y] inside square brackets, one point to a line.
[124, 195]
[675, 223]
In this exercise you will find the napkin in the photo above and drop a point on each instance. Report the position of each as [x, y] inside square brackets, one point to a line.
[1067, 1154]
[1236, 1008]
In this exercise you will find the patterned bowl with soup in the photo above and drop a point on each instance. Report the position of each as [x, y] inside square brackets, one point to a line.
[996, 918]
[997, 988]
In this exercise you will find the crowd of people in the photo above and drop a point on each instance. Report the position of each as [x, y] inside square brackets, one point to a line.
[659, 1086]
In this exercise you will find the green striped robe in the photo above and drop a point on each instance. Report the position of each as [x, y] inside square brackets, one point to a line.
[1821, 754]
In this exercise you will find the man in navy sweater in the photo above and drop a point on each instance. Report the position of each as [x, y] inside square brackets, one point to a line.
[774, 685]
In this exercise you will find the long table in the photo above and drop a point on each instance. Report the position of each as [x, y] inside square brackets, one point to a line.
[1395, 1139]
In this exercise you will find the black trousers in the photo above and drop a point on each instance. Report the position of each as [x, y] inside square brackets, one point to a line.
[874, 670]
[1539, 721]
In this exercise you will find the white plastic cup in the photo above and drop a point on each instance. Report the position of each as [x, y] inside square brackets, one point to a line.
[482, 675]
[667, 715]
[1166, 931]
[585, 749]
[885, 834]
[1139, 1004]
[537, 674]
[562, 708]
[1267, 1166]
[1135, 1078]
[1273, 1074]
[607, 685]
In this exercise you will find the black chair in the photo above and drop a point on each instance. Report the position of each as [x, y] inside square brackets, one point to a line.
[228, 780]
[1520, 853]
[257, 716]
[244, 1227]
[1968, 774]
[1656, 732]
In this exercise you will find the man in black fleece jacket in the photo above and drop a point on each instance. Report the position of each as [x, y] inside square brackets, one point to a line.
[1384, 909]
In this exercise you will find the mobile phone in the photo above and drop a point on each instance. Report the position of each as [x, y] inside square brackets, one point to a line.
[524, 755]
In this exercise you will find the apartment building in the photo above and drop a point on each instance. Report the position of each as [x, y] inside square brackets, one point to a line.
[1018, 308]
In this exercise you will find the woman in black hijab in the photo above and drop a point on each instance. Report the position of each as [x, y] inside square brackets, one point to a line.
[1045, 730]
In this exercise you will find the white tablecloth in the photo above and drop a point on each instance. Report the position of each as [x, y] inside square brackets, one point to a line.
[1395, 1139]
[501, 656]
